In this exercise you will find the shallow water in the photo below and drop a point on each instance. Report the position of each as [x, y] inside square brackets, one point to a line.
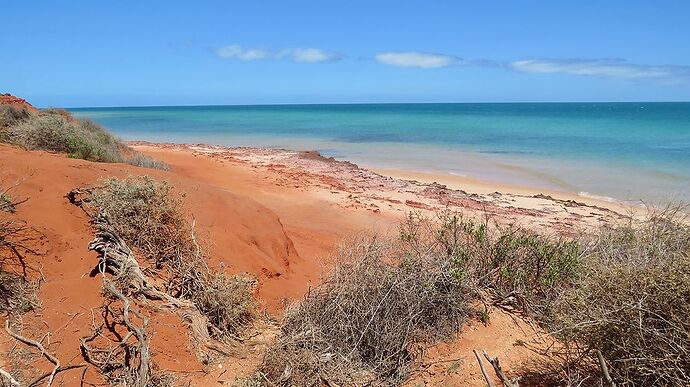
[628, 151]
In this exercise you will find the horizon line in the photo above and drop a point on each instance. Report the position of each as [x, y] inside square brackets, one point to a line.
[360, 103]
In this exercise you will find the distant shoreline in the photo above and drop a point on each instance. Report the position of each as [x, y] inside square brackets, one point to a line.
[401, 188]
[632, 152]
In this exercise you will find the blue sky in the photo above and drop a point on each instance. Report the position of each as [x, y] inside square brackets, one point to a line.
[126, 53]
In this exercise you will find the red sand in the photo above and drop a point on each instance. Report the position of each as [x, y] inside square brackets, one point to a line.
[275, 215]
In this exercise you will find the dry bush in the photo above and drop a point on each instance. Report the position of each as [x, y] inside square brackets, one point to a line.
[141, 160]
[149, 217]
[369, 320]
[632, 301]
[17, 294]
[6, 203]
[10, 115]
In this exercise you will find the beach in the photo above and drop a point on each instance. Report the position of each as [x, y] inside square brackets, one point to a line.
[632, 152]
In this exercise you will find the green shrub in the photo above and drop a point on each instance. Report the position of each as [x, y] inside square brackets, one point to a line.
[10, 116]
[46, 132]
[56, 130]
[144, 161]
[519, 267]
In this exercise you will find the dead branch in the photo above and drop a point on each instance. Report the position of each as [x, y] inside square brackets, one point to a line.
[499, 372]
[39, 346]
[47, 374]
[139, 332]
[7, 377]
[489, 383]
[605, 370]
[7, 203]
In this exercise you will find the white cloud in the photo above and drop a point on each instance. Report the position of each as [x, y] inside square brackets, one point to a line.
[610, 68]
[236, 51]
[305, 55]
[313, 55]
[417, 59]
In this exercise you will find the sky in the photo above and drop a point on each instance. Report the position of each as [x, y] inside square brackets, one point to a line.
[138, 53]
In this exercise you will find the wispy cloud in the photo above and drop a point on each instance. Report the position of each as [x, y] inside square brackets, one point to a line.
[304, 55]
[417, 59]
[603, 68]
[608, 68]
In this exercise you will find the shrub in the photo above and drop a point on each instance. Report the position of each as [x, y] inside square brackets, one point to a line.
[57, 131]
[90, 141]
[10, 115]
[47, 132]
[519, 267]
[147, 215]
[369, 319]
[141, 160]
[632, 301]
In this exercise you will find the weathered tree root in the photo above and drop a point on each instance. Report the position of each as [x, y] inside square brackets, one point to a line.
[118, 260]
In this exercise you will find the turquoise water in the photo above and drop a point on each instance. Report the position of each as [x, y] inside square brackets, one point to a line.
[627, 151]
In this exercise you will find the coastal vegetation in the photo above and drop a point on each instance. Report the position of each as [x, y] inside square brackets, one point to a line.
[55, 130]
[18, 292]
[612, 299]
[616, 299]
[149, 253]
[149, 217]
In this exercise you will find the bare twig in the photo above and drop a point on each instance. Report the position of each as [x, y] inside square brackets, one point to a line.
[60, 369]
[7, 377]
[40, 347]
[489, 383]
[605, 370]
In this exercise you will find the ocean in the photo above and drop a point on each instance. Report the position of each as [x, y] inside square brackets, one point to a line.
[624, 151]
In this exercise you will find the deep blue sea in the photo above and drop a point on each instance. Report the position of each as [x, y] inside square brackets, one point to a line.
[626, 151]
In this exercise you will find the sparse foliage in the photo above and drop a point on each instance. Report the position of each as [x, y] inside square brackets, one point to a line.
[370, 319]
[632, 301]
[521, 269]
[149, 217]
